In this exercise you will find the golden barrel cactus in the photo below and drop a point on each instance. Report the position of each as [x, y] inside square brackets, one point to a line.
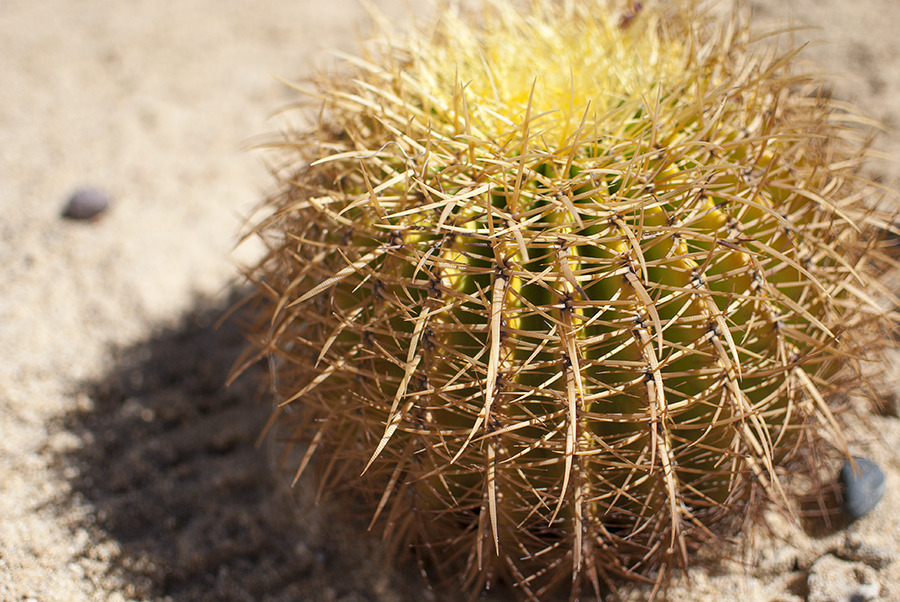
[561, 291]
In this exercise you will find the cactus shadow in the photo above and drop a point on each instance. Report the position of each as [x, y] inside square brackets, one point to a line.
[179, 501]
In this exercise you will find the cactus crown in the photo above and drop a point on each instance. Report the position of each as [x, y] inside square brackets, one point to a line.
[536, 67]
[568, 288]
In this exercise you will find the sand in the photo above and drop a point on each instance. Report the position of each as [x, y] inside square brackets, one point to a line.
[127, 470]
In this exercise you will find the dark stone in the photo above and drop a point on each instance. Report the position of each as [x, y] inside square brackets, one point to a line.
[86, 204]
[863, 486]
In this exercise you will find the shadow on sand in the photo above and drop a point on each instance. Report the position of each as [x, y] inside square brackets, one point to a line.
[169, 471]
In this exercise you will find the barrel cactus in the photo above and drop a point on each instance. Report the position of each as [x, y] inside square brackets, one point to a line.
[562, 290]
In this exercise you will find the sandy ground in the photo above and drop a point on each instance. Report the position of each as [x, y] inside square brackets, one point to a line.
[127, 471]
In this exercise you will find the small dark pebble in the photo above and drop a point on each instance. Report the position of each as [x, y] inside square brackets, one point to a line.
[863, 488]
[86, 204]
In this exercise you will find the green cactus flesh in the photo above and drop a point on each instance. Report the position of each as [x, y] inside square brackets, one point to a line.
[563, 350]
